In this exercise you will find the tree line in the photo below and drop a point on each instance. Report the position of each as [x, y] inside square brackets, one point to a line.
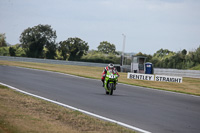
[40, 42]
[183, 59]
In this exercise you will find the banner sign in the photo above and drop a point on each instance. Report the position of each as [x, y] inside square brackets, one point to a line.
[168, 78]
[140, 76]
[153, 77]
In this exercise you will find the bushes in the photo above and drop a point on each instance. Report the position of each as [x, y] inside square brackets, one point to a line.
[14, 50]
[4, 51]
[180, 60]
[99, 57]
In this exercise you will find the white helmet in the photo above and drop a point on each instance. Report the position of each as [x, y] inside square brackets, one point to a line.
[110, 66]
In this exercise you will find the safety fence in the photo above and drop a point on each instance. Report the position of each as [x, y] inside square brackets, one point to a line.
[178, 72]
[171, 72]
[50, 61]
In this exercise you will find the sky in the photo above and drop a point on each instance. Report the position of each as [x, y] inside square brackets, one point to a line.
[148, 25]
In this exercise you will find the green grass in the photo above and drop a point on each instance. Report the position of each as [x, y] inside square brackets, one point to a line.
[196, 67]
[20, 113]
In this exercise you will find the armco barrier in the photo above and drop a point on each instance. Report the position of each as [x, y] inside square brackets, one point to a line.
[171, 72]
[159, 71]
[49, 61]
[177, 72]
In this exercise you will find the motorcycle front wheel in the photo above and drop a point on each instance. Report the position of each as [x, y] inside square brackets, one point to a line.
[110, 87]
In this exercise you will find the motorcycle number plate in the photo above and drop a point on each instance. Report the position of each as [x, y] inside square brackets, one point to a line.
[112, 76]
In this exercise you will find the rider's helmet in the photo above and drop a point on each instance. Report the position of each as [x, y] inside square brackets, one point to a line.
[110, 66]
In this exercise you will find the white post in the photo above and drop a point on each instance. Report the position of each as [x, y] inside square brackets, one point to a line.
[124, 39]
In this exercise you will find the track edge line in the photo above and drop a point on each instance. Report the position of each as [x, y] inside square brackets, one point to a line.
[77, 109]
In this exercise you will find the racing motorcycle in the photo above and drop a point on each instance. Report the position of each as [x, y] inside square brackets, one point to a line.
[110, 82]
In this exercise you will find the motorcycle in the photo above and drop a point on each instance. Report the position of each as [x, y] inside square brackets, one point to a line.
[110, 82]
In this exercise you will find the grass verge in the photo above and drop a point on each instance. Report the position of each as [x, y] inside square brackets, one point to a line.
[189, 85]
[20, 113]
[196, 67]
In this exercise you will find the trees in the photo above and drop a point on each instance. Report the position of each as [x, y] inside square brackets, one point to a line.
[39, 42]
[184, 52]
[149, 57]
[3, 40]
[36, 38]
[64, 50]
[98, 57]
[4, 51]
[162, 53]
[12, 51]
[19, 50]
[197, 56]
[73, 48]
[106, 54]
[164, 58]
[107, 48]
[51, 50]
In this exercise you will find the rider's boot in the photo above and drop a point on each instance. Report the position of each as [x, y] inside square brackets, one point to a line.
[103, 82]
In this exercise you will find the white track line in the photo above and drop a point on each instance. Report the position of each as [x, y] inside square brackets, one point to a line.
[80, 110]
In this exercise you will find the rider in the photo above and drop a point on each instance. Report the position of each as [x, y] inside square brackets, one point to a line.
[109, 67]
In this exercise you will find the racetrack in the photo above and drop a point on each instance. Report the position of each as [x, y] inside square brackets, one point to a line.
[152, 110]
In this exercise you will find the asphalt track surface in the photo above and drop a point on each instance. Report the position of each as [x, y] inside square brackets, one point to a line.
[148, 109]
